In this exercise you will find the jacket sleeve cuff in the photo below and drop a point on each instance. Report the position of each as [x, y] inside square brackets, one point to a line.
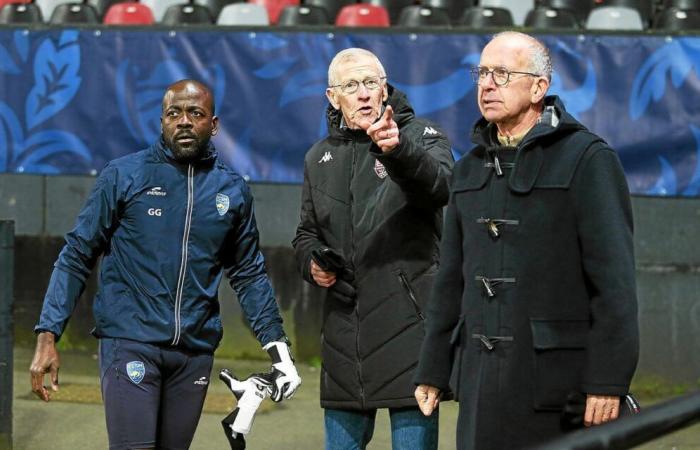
[601, 389]
[61, 296]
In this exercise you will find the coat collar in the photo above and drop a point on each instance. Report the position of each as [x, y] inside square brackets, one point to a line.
[554, 122]
[166, 154]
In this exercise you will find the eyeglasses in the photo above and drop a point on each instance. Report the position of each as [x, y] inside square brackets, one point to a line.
[351, 86]
[499, 75]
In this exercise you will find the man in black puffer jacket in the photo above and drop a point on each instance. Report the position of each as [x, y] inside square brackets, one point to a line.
[371, 219]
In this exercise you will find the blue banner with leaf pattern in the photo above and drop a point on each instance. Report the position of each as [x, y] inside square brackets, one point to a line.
[71, 100]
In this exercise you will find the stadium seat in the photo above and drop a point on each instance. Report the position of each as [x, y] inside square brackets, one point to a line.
[10, 2]
[243, 14]
[424, 16]
[480, 17]
[48, 6]
[580, 8]
[187, 14]
[332, 7]
[15, 13]
[545, 18]
[363, 15]
[455, 8]
[74, 13]
[614, 18]
[102, 6]
[158, 7]
[275, 7]
[673, 19]
[644, 7]
[128, 14]
[518, 8]
[215, 6]
[394, 7]
[683, 4]
[303, 15]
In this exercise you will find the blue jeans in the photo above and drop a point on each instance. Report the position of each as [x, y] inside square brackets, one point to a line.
[352, 430]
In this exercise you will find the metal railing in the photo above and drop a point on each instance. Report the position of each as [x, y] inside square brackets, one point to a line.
[630, 431]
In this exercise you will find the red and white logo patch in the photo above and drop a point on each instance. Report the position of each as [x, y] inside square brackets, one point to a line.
[379, 169]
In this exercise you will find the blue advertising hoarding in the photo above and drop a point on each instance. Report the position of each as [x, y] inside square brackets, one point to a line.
[70, 100]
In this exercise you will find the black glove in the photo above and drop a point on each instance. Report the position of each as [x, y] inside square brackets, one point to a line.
[330, 260]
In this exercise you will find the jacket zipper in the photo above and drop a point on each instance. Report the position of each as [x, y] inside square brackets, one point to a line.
[183, 256]
[357, 303]
[409, 290]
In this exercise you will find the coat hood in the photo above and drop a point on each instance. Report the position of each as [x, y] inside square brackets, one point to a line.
[554, 119]
[403, 112]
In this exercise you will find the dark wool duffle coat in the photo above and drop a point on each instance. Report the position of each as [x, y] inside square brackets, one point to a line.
[535, 297]
[383, 212]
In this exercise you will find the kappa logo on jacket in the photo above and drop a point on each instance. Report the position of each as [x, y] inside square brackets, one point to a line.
[157, 191]
[431, 131]
[325, 158]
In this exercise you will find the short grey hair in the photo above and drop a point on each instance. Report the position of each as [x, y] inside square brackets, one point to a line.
[350, 54]
[540, 60]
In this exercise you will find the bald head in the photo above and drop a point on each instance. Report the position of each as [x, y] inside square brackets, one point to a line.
[530, 50]
[188, 120]
[190, 87]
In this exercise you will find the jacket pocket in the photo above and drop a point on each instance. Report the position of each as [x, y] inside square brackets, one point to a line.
[559, 354]
[410, 293]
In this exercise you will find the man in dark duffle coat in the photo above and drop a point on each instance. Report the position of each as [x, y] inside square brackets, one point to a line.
[535, 298]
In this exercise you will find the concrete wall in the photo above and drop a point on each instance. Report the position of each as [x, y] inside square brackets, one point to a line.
[667, 252]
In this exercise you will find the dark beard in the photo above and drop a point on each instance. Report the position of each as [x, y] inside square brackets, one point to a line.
[187, 153]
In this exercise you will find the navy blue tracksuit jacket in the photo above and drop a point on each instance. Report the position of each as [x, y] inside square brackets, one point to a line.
[167, 232]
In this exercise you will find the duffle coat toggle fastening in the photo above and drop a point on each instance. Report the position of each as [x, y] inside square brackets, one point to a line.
[489, 341]
[489, 283]
[493, 224]
[497, 165]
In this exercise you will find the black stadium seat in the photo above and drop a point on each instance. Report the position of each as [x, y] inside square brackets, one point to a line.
[684, 4]
[580, 8]
[673, 19]
[74, 13]
[187, 14]
[20, 13]
[423, 16]
[545, 18]
[303, 15]
[479, 17]
[455, 8]
[332, 7]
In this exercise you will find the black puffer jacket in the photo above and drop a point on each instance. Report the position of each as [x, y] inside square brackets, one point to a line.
[383, 212]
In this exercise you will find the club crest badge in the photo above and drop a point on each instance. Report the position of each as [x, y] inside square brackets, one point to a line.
[222, 203]
[379, 169]
[136, 371]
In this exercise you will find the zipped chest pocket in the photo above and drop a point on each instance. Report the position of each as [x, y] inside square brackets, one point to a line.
[410, 293]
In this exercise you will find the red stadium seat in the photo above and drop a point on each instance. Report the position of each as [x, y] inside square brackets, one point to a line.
[7, 2]
[275, 7]
[129, 14]
[363, 15]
